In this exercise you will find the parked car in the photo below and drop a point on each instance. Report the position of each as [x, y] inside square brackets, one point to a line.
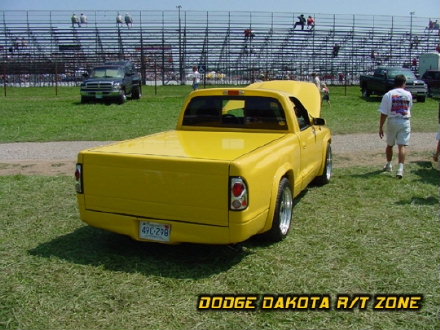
[112, 81]
[382, 81]
[432, 79]
[229, 171]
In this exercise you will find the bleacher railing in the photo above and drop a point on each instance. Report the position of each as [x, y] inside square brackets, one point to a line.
[41, 47]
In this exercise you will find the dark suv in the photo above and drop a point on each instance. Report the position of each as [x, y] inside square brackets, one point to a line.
[432, 79]
[112, 81]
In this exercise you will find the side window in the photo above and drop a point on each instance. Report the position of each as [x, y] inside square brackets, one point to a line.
[301, 114]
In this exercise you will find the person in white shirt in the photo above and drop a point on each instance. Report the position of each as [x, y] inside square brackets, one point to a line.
[316, 80]
[395, 109]
[196, 78]
[83, 19]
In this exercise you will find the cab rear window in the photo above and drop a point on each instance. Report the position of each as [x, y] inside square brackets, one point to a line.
[251, 112]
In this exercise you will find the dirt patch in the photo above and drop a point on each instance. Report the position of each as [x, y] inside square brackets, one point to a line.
[59, 158]
[38, 167]
[67, 166]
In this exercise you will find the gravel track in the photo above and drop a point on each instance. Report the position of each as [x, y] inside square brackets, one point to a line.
[51, 158]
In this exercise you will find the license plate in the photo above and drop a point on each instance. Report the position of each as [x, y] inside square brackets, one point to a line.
[98, 95]
[154, 231]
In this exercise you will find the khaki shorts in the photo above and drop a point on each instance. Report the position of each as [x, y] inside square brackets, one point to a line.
[398, 131]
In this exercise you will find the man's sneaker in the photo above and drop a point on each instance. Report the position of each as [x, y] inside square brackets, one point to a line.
[399, 173]
[388, 167]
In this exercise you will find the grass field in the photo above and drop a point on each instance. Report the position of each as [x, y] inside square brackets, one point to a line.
[364, 233]
[37, 114]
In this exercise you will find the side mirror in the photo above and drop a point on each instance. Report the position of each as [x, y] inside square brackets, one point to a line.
[319, 121]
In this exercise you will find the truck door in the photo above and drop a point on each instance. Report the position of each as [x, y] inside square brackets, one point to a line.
[378, 81]
[310, 145]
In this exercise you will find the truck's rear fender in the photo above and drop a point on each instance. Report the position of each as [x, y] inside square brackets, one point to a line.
[287, 172]
[261, 169]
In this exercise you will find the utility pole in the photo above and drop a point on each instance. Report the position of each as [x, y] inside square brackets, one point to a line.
[181, 73]
[410, 37]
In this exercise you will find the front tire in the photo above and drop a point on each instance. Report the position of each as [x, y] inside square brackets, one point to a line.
[282, 219]
[421, 98]
[136, 93]
[365, 92]
[122, 98]
[328, 168]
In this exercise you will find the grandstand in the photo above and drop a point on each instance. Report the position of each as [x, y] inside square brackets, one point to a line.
[38, 46]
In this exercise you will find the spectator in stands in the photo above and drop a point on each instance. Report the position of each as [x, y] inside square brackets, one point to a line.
[196, 78]
[341, 78]
[119, 19]
[438, 48]
[16, 44]
[75, 20]
[128, 20]
[414, 63]
[83, 19]
[414, 43]
[310, 23]
[301, 21]
[248, 34]
[433, 25]
[336, 49]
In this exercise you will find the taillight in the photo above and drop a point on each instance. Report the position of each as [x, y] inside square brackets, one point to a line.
[78, 179]
[239, 194]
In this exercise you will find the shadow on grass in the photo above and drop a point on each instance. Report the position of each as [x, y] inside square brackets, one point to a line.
[96, 247]
[91, 246]
[426, 173]
[419, 201]
[104, 102]
[368, 175]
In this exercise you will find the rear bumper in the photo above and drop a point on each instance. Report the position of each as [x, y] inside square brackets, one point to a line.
[181, 232]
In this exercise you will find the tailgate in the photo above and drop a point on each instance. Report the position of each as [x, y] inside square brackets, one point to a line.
[168, 188]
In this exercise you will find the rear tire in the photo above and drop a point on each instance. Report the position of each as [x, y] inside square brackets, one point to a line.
[282, 218]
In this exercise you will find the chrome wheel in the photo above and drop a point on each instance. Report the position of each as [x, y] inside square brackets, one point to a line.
[286, 210]
[329, 164]
[282, 218]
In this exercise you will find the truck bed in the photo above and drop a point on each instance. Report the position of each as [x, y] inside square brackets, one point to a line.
[188, 170]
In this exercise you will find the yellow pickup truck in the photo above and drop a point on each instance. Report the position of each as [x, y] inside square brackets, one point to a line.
[230, 170]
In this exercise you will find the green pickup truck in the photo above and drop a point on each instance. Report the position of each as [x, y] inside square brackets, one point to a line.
[382, 81]
[112, 81]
